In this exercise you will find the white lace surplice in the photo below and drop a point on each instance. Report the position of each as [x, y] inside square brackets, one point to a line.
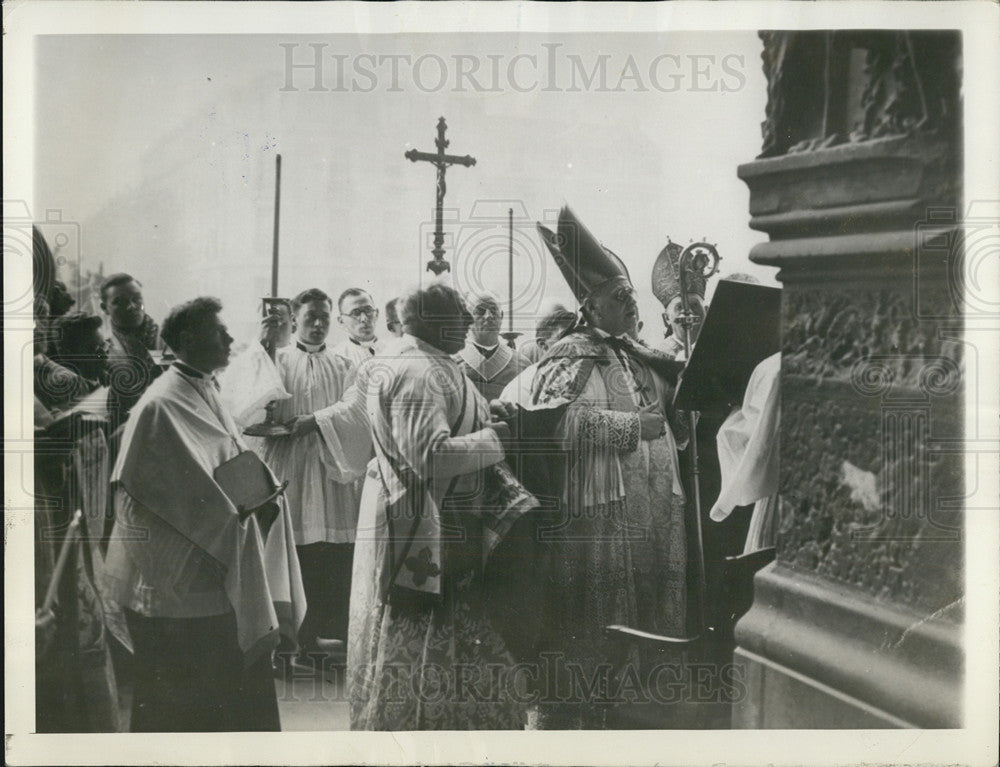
[322, 508]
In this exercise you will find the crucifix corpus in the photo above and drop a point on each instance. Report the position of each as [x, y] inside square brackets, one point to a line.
[441, 161]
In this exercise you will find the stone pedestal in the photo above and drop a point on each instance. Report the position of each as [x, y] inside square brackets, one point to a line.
[858, 622]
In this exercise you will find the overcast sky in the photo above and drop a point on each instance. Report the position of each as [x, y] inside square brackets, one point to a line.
[162, 148]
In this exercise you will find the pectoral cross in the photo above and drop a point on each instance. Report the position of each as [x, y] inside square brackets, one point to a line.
[441, 161]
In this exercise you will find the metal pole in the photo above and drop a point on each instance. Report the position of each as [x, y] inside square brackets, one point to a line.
[706, 265]
[277, 213]
[510, 270]
[693, 445]
[510, 335]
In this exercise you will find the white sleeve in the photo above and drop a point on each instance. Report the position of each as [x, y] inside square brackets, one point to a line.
[420, 432]
[249, 382]
[748, 443]
[345, 434]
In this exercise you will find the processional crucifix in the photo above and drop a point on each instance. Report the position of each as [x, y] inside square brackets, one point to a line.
[441, 161]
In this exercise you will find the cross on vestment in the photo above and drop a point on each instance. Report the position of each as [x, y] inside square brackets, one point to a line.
[642, 385]
[441, 161]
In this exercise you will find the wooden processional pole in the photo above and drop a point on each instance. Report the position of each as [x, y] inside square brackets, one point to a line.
[510, 335]
[269, 427]
[277, 216]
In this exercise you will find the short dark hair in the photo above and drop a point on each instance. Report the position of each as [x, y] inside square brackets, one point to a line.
[60, 300]
[308, 296]
[436, 302]
[556, 320]
[391, 315]
[351, 292]
[74, 326]
[187, 317]
[116, 279]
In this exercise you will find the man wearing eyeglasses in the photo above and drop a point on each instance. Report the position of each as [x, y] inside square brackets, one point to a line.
[358, 315]
[134, 335]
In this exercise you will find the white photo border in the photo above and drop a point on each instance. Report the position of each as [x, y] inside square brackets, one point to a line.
[975, 744]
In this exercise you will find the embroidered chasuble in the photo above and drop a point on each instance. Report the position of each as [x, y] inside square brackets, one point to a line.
[491, 374]
[622, 555]
[437, 502]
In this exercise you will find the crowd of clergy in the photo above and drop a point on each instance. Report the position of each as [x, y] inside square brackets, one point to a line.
[453, 521]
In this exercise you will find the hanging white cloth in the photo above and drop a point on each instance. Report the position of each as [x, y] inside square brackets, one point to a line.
[748, 454]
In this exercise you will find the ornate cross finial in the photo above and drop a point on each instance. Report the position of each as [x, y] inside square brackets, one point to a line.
[441, 161]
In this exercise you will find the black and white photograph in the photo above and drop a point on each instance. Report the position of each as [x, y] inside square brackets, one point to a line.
[501, 382]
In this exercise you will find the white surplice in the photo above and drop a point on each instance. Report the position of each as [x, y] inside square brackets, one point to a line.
[358, 352]
[344, 426]
[179, 548]
[324, 508]
[748, 455]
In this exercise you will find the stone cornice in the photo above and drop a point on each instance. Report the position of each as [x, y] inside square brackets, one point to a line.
[893, 659]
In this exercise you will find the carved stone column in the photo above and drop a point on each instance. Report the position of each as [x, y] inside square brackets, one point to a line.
[858, 621]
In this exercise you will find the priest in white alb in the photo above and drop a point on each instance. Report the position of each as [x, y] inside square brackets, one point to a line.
[306, 376]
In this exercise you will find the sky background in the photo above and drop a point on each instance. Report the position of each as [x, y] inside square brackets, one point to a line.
[162, 149]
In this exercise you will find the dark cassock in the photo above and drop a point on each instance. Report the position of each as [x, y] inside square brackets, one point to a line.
[205, 588]
[74, 677]
[424, 650]
[619, 554]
